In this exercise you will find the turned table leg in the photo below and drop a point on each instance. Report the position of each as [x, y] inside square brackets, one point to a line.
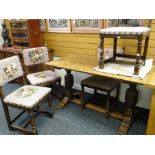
[69, 81]
[131, 98]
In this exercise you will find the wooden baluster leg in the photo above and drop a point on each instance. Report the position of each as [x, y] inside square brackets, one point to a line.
[6, 109]
[30, 112]
[101, 53]
[115, 48]
[69, 80]
[138, 57]
[50, 106]
[131, 98]
[7, 115]
[117, 94]
[145, 48]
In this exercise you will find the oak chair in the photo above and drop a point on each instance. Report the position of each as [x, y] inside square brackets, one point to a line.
[38, 56]
[27, 98]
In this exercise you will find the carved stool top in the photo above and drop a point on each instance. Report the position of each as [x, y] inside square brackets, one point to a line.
[100, 83]
[126, 31]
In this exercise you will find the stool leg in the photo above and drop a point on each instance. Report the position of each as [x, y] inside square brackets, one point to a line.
[117, 93]
[107, 113]
[95, 93]
[101, 53]
[82, 98]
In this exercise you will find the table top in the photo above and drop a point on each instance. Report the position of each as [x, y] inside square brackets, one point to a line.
[85, 64]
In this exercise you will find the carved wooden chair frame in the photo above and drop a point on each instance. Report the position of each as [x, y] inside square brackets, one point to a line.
[32, 111]
[30, 67]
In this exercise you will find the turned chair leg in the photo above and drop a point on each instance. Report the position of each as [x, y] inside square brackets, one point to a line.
[50, 106]
[32, 121]
[7, 115]
[82, 98]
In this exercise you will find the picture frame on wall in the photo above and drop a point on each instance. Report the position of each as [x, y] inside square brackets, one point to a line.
[124, 22]
[87, 25]
[43, 25]
[59, 25]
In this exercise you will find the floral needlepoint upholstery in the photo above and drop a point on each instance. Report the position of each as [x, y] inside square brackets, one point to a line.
[34, 56]
[39, 55]
[42, 77]
[27, 96]
[10, 69]
[126, 30]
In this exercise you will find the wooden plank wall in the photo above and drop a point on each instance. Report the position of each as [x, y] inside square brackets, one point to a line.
[86, 44]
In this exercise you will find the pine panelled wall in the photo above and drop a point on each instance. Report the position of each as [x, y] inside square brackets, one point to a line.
[86, 44]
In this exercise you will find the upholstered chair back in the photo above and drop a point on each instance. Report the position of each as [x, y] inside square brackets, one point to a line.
[34, 56]
[10, 69]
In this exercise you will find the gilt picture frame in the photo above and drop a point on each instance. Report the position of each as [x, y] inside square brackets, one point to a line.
[87, 25]
[59, 25]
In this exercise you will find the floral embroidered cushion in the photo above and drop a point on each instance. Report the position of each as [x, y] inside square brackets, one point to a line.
[10, 69]
[42, 77]
[27, 96]
[34, 56]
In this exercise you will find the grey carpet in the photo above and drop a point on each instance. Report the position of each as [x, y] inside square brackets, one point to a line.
[72, 121]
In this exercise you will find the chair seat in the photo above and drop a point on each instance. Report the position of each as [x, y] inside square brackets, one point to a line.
[42, 77]
[126, 30]
[27, 96]
[100, 83]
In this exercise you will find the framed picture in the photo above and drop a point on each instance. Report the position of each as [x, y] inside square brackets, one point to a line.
[43, 25]
[58, 25]
[87, 25]
[123, 22]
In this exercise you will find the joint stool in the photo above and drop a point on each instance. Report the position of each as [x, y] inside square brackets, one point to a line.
[138, 33]
[104, 84]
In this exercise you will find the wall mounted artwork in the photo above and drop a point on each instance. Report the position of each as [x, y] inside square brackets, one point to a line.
[59, 25]
[86, 25]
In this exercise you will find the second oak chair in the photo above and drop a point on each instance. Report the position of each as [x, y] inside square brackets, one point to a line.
[38, 56]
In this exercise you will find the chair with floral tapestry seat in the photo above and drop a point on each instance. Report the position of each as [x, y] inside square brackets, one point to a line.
[27, 98]
[37, 56]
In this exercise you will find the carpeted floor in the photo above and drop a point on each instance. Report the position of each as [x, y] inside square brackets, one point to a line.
[72, 121]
